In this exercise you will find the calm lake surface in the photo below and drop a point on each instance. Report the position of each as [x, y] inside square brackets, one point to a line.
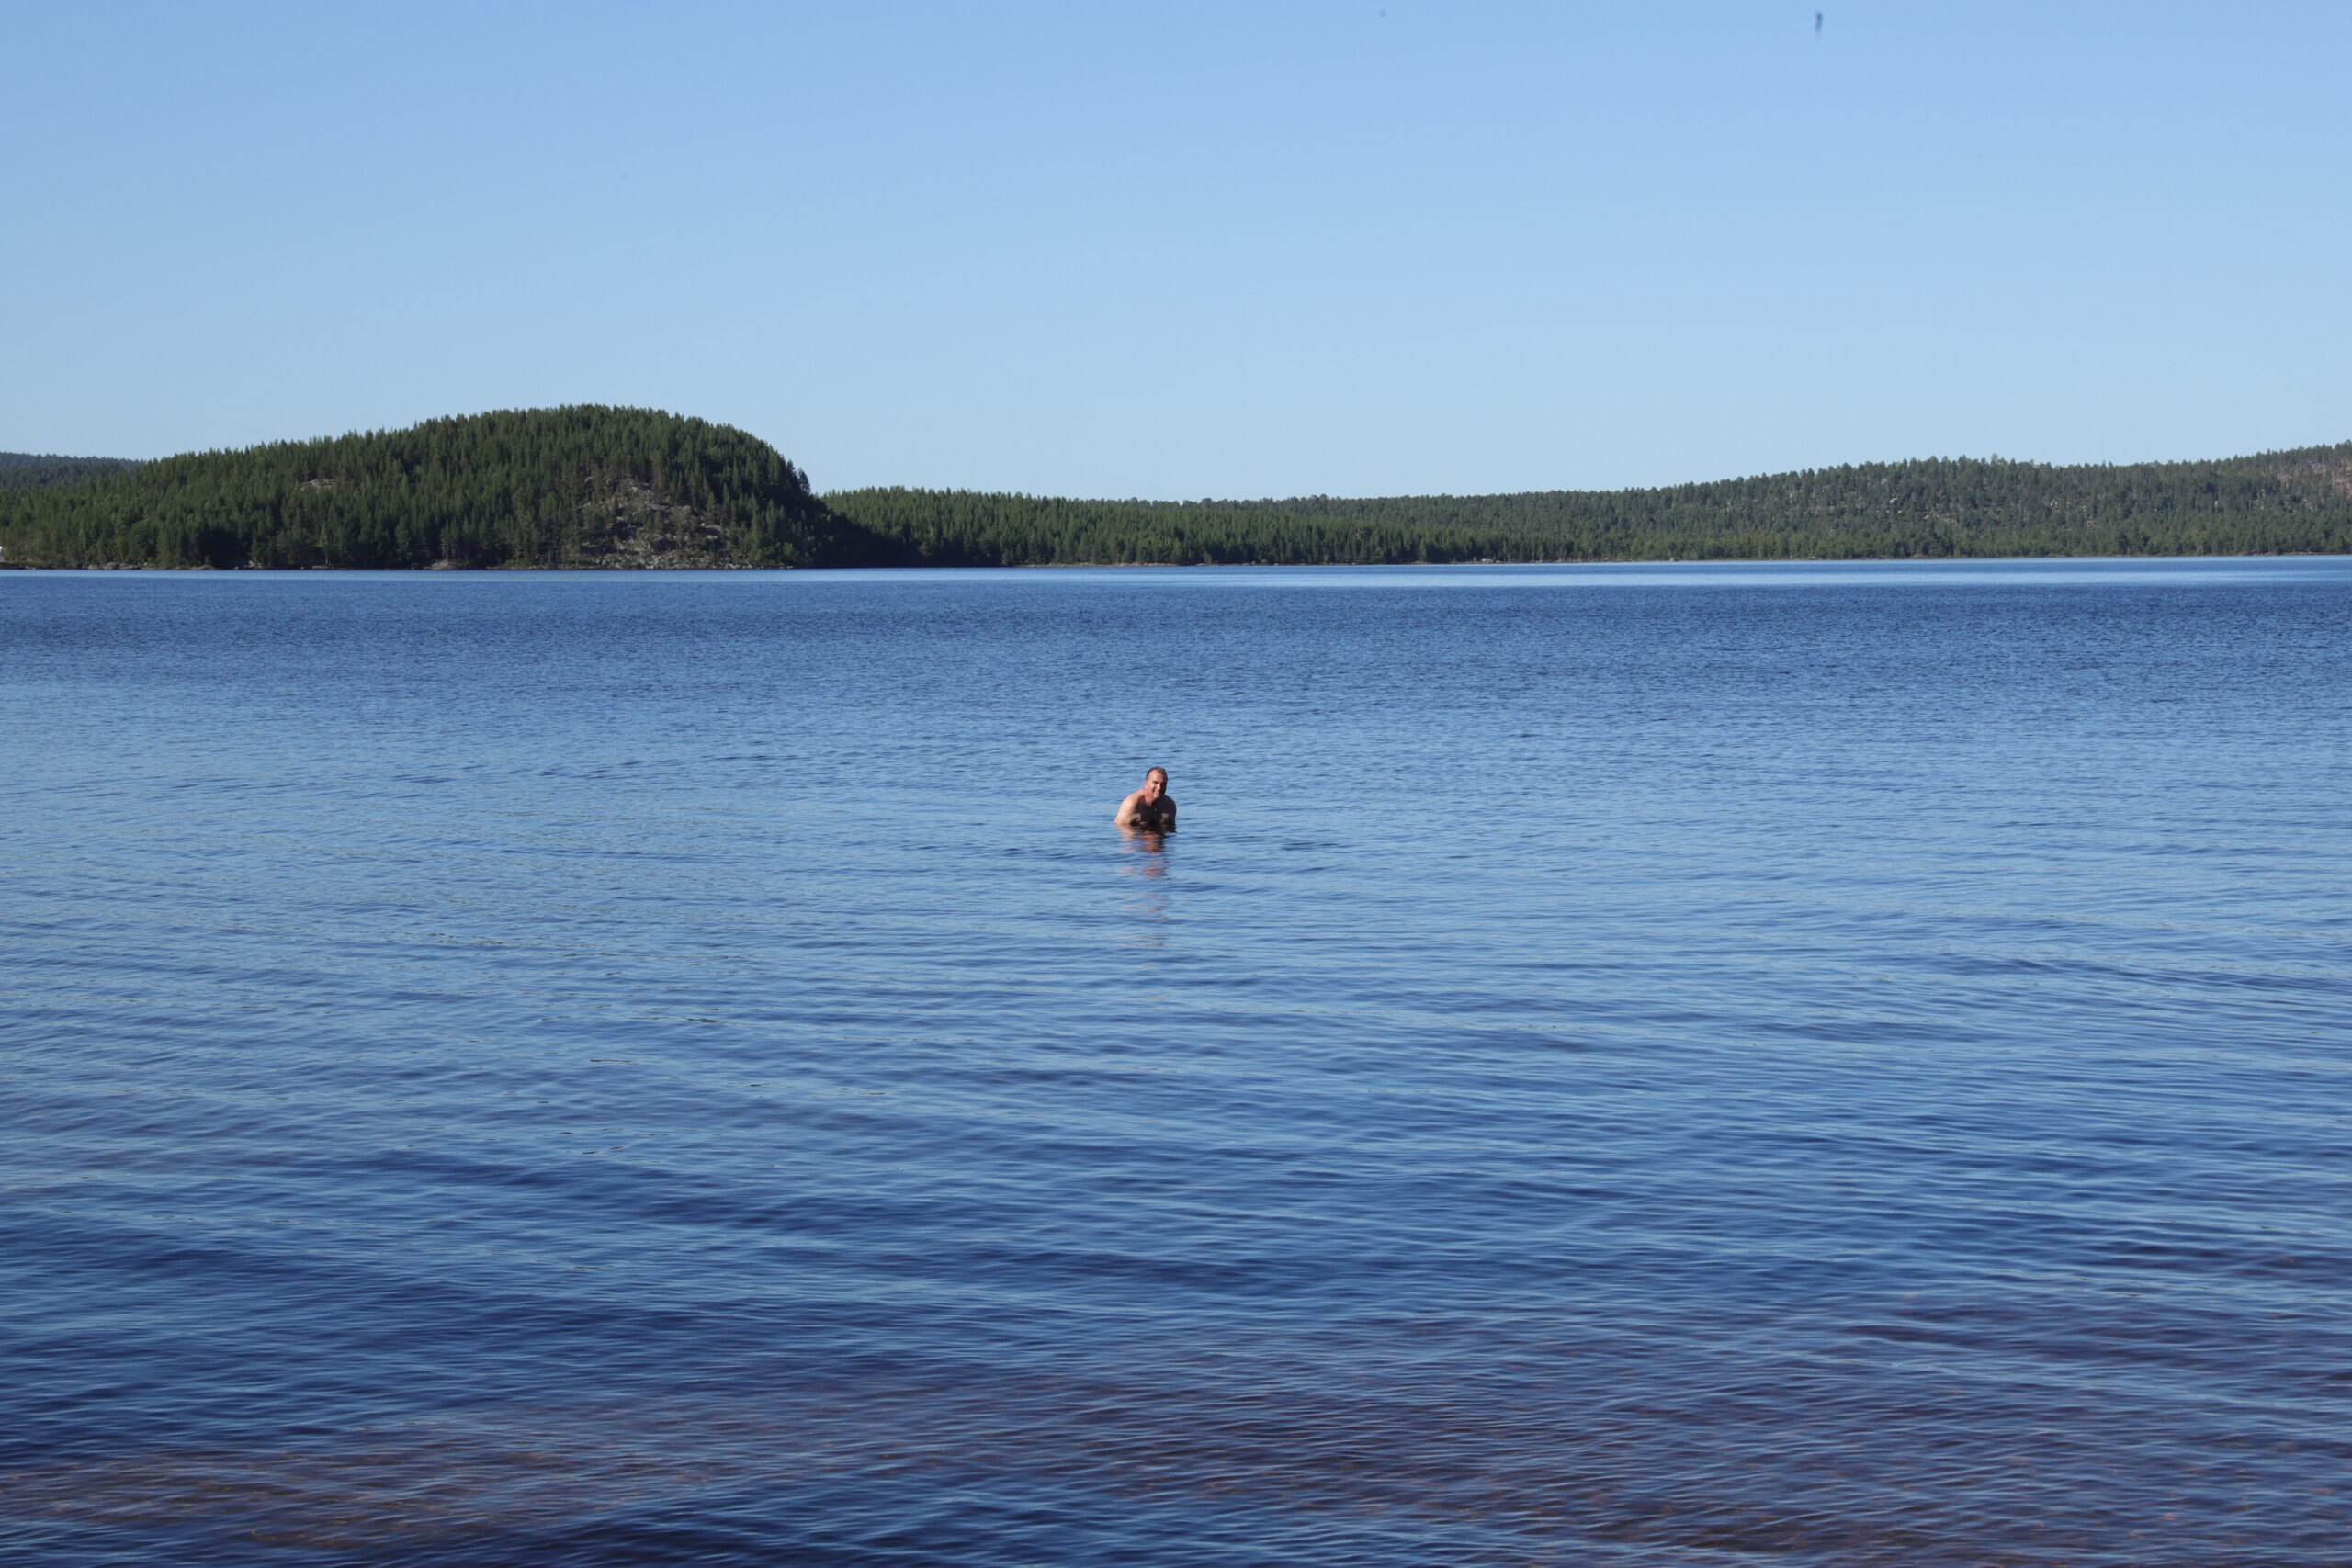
[1672, 1064]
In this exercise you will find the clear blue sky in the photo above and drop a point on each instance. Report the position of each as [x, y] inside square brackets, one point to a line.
[1189, 249]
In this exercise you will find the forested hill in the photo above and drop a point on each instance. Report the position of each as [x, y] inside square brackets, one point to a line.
[2279, 502]
[581, 486]
[31, 470]
[593, 486]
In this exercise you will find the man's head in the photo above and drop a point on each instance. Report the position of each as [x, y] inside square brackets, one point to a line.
[1155, 783]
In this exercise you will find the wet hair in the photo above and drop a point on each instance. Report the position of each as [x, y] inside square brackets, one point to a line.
[1161, 771]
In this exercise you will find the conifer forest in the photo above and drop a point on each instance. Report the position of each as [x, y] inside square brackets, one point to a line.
[589, 486]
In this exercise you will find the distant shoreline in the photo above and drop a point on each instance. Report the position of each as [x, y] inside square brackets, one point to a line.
[607, 488]
[1189, 566]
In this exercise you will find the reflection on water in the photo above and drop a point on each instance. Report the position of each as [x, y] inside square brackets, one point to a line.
[1143, 853]
[1146, 852]
[523, 1069]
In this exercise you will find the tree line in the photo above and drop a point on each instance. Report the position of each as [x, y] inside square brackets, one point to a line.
[597, 486]
[2279, 502]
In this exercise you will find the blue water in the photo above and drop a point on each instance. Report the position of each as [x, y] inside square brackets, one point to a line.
[1680, 1064]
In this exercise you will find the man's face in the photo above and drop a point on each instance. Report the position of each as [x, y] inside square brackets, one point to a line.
[1155, 784]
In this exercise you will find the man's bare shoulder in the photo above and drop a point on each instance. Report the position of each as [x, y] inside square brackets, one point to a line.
[1136, 812]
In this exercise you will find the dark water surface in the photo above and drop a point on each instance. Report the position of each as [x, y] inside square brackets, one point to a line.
[1621, 1065]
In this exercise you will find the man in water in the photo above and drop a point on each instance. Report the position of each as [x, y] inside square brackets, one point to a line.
[1150, 810]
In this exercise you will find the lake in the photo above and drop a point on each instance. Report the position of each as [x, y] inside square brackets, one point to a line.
[1623, 1065]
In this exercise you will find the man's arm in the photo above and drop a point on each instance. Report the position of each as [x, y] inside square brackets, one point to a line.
[1129, 816]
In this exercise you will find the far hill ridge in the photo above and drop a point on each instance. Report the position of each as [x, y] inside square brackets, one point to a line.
[580, 486]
